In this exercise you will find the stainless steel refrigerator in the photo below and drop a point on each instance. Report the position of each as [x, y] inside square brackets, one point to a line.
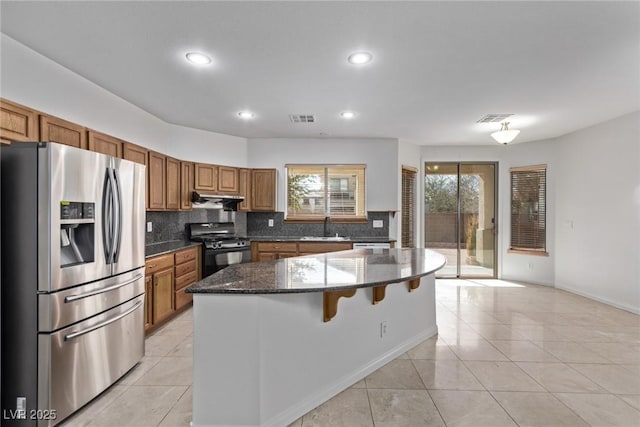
[72, 278]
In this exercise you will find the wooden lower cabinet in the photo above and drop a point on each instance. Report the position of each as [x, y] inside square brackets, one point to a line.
[267, 251]
[163, 295]
[148, 302]
[187, 266]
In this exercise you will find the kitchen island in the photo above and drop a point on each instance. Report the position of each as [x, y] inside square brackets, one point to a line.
[273, 340]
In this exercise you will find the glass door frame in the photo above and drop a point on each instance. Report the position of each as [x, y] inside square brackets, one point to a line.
[458, 165]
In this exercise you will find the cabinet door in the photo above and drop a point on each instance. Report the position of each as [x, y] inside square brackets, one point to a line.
[105, 144]
[135, 153]
[263, 190]
[228, 179]
[61, 131]
[245, 189]
[17, 123]
[186, 185]
[157, 182]
[162, 294]
[173, 184]
[206, 177]
[148, 302]
[267, 256]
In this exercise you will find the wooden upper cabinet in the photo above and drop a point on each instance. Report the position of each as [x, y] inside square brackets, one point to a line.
[186, 185]
[263, 190]
[173, 184]
[228, 181]
[135, 153]
[53, 129]
[244, 180]
[156, 174]
[17, 123]
[105, 144]
[206, 177]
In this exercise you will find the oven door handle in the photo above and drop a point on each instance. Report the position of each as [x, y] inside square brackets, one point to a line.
[102, 324]
[72, 298]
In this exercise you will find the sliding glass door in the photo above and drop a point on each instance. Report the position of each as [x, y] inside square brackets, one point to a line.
[460, 206]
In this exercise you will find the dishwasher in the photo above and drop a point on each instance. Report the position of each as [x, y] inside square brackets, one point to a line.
[377, 247]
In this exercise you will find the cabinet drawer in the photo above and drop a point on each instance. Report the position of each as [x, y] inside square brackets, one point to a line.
[316, 248]
[187, 267]
[186, 255]
[158, 263]
[186, 280]
[277, 247]
[182, 298]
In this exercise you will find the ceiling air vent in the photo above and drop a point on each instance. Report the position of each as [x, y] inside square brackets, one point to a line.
[302, 118]
[494, 118]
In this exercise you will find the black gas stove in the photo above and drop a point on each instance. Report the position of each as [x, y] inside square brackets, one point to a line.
[221, 247]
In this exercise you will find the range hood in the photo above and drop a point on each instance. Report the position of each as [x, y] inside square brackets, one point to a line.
[215, 201]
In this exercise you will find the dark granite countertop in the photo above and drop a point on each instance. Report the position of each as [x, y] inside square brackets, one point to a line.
[162, 248]
[362, 239]
[334, 271]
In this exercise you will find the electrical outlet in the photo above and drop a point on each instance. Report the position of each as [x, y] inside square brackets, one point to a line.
[378, 223]
[531, 266]
[271, 223]
[383, 328]
[149, 227]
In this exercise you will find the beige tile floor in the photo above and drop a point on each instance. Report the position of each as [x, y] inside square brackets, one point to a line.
[507, 354]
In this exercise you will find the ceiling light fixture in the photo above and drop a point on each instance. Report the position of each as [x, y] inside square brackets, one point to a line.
[505, 135]
[347, 114]
[246, 115]
[198, 58]
[359, 58]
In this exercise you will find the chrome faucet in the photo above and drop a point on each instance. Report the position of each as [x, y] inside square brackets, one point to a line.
[326, 226]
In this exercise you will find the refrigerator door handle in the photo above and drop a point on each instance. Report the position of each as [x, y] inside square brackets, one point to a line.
[106, 216]
[102, 324]
[72, 298]
[117, 215]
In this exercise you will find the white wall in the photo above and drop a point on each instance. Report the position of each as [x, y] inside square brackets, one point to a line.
[380, 156]
[31, 79]
[598, 212]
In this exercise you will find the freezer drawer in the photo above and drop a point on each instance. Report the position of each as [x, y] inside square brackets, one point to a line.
[59, 309]
[79, 362]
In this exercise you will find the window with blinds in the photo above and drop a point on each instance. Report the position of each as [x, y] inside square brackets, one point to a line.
[319, 191]
[408, 207]
[529, 209]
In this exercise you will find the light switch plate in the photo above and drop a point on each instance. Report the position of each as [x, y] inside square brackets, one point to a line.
[149, 227]
[378, 223]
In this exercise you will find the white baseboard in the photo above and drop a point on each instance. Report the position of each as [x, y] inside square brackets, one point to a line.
[634, 310]
[306, 405]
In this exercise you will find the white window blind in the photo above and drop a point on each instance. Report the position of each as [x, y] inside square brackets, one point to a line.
[408, 207]
[529, 208]
[318, 191]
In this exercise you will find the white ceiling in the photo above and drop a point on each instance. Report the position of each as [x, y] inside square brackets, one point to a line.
[438, 67]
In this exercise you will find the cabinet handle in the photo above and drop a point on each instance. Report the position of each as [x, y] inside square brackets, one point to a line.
[151, 265]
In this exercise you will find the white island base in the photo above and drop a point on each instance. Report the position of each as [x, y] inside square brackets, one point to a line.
[267, 359]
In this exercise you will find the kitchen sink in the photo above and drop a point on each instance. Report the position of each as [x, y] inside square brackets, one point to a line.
[326, 239]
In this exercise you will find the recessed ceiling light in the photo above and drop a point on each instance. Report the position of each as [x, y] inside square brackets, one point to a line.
[360, 58]
[246, 115]
[347, 114]
[198, 58]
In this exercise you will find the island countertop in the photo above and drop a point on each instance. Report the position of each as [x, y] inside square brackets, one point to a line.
[334, 271]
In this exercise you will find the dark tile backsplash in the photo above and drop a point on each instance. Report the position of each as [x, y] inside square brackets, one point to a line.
[257, 225]
[171, 225]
